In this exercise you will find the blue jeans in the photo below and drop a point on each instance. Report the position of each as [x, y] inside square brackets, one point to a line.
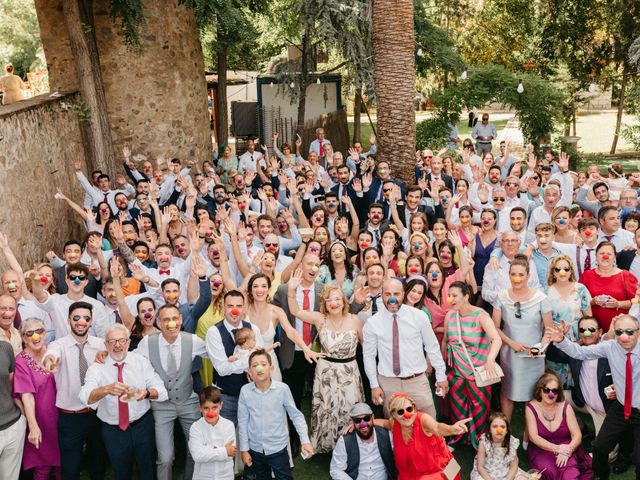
[264, 464]
[229, 408]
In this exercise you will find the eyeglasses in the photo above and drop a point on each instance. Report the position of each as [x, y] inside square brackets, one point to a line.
[518, 306]
[512, 184]
[73, 277]
[117, 341]
[30, 333]
[365, 418]
[591, 329]
[401, 411]
[628, 331]
[549, 390]
[77, 318]
[498, 199]
[270, 245]
[559, 269]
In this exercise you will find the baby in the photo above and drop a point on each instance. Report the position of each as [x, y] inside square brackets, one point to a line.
[246, 344]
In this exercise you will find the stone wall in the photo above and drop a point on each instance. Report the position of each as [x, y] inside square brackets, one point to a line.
[38, 139]
[156, 98]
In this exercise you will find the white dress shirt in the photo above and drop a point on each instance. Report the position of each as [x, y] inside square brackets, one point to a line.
[497, 280]
[29, 309]
[415, 336]
[216, 352]
[137, 373]
[621, 239]
[300, 302]
[68, 374]
[571, 251]
[371, 465]
[207, 447]
[249, 161]
[57, 306]
[199, 349]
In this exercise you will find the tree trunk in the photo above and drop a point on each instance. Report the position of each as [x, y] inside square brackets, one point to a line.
[357, 122]
[304, 62]
[78, 15]
[222, 117]
[623, 88]
[394, 81]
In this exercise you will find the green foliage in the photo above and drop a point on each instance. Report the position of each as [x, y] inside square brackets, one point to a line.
[631, 133]
[538, 107]
[19, 34]
[432, 133]
[132, 20]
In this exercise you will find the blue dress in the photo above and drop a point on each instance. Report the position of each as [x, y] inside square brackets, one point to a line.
[481, 258]
[521, 373]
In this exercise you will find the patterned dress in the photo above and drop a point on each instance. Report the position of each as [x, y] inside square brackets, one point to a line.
[336, 387]
[466, 399]
[496, 461]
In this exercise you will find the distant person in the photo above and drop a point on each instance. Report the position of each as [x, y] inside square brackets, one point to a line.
[484, 134]
[11, 86]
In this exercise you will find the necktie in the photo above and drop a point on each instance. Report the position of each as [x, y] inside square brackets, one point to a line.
[17, 320]
[376, 235]
[628, 388]
[164, 272]
[587, 261]
[118, 317]
[396, 347]
[123, 408]
[306, 327]
[609, 237]
[106, 197]
[374, 304]
[82, 362]
[321, 149]
[172, 365]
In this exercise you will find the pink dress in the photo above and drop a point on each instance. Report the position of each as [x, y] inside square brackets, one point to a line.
[30, 377]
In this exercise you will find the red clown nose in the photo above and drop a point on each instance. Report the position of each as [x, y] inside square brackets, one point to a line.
[235, 312]
[406, 415]
[212, 414]
[588, 233]
[605, 257]
[44, 279]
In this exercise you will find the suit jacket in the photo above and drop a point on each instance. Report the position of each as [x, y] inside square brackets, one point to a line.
[625, 258]
[287, 347]
[432, 213]
[376, 183]
[603, 372]
[448, 182]
[91, 290]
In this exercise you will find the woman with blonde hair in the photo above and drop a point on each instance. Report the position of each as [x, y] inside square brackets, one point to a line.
[337, 384]
[12, 86]
[562, 226]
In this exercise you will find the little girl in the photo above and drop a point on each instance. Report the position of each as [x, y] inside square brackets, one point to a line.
[497, 457]
[246, 344]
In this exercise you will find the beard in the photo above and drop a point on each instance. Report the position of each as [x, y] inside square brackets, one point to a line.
[365, 436]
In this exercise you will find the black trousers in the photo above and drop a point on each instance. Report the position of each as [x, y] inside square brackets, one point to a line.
[296, 377]
[614, 428]
[74, 430]
[137, 443]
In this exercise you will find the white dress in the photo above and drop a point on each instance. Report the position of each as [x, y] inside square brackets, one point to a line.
[268, 338]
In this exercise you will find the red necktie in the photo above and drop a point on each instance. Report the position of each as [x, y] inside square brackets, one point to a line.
[164, 272]
[306, 327]
[396, 347]
[587, 261]
[628, 388]
[321, 149]
[123, 408]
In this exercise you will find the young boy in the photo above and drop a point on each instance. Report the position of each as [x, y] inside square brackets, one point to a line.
[263, 407]
[212, 440]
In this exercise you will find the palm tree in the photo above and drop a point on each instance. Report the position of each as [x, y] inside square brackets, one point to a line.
[394, 80]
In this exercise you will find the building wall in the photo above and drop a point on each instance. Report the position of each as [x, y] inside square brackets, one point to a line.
[38, 141]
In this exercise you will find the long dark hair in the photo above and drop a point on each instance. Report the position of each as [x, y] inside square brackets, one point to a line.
[348, 266]
[138, 328]
[426, 272]
[506, 442]
[409, 286]
[254, 277]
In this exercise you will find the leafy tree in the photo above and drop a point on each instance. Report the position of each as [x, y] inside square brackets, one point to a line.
[19, 34]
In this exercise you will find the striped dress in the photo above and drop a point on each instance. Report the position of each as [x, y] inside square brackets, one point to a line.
[466, 399]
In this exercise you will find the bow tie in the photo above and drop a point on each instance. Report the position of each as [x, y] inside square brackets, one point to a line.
[163, 272]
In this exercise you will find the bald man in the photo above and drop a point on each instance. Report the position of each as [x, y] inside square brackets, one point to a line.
[400, 336]
[8, 333]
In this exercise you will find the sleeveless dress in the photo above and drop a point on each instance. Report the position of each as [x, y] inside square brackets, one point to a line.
[268, 338]
[496, 461]
[466, 399]
[336, 388]
[578, 466]
[423, 457]
[481, 258]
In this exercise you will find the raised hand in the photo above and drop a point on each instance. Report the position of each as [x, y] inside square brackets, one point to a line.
[77, 164]
[367, 180]
[563, 161]
[295, 280]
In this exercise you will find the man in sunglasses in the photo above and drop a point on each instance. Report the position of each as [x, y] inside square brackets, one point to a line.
[484, 133]
[57, 305]
[68, 358]
[366, 449]
[120, 390]
[623, 416]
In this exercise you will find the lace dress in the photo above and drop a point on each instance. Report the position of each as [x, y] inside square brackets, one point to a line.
[497, 462]
[336, 387]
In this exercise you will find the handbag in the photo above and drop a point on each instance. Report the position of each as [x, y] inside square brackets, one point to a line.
[452, 469]
[481, 377]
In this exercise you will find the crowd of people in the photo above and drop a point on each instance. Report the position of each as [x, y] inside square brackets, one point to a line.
[217, 295]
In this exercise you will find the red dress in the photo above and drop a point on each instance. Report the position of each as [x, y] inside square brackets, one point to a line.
[424, 457]
[621, 286]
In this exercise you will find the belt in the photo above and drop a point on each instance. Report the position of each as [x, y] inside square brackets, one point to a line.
[72, 412]
[483, 141]
[339, 360]
[412, 376]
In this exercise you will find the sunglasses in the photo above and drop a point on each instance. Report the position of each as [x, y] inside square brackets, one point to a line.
[428, 156]
[117, 341]
[560, 269]
[270, 245]
[401, 411]
[518, 306]
[386, 190]
[498, 199]
[73, 277]
[628, 331]
[77, 318]
[591, 329]
[512, 184]
[549, 390]
[535, 177]
[366, 418]
[30, 333]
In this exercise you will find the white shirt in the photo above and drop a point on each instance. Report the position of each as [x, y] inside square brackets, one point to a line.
[571, 251]
[496, 280]
[300, 302]
[415, 335]
[249, 161]
[621, 239]
[371, 465]
[179, 270]
[207, 447]
[57, 306]
[589, 384]
[217, 354]
[199, 348]
[29, 309]
[137, 373]
[634, 268]
[68, 374]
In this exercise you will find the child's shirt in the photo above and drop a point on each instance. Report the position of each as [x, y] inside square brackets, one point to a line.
[207, 447]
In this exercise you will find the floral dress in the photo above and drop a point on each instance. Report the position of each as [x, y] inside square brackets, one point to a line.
[496, 460]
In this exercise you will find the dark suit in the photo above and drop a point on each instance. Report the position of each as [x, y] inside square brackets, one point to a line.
[374, 193]
[432, 213]
[91, 290]
[625, 258]
[446, 179]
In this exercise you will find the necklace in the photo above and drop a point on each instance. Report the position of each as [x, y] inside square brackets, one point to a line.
[550, 420]
[333, 324]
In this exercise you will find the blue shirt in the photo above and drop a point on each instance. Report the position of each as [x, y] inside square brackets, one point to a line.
[262, 418]
[542, 265]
